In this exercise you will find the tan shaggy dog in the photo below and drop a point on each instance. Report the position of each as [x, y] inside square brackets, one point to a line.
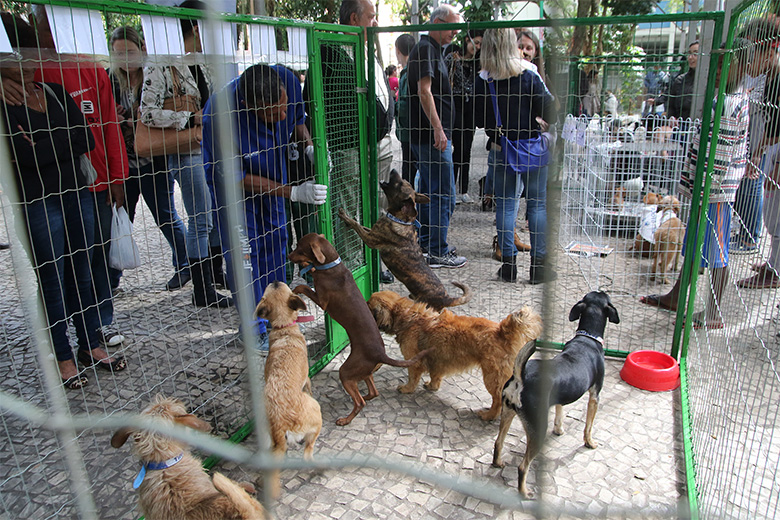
[181, 488]
[460, 343]
[668, 240]
[289, 404]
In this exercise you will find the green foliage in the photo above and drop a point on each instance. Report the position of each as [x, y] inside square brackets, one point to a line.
[631, 73]
[629, 7]
[316, 10]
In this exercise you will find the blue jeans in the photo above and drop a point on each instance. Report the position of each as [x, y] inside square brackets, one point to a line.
[748, 204]
[189, 173]
[61, 232]
[101, 273]
[507, 187]
[437, 180]
[157, 190]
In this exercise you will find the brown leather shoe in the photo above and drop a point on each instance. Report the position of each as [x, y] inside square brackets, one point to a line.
[520, 245]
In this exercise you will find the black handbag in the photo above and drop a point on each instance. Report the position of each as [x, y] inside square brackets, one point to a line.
[521, 155]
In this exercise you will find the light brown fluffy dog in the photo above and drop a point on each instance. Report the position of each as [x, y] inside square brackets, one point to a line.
[288, 401]
[668, 240]
[183, 490]
[460, 342]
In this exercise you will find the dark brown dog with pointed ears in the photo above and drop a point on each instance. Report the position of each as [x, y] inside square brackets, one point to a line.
[173, 484]
[336, 293]
[394, 235]
[539, 384]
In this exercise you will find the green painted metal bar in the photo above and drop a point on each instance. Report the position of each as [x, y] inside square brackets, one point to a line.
[558, 22]
[120, 7]
[687, 428]
[701, 190]
[555, 345]
[373, 154]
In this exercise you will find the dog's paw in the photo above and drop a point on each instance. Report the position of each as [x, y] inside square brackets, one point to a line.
[248, 487]
[497, 463]
[430, 385]
[405, 389]
[590, 443]
[343, 214]
[558, 430]
[487, 414]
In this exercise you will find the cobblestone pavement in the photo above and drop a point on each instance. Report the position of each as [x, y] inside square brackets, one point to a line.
[192, 354]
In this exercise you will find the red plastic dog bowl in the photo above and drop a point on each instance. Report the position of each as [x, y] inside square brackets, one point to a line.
[651, 370]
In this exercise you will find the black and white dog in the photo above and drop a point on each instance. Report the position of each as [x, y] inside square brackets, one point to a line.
[539, 384]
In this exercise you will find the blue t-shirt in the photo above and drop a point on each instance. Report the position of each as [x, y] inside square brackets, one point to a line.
[261, 148]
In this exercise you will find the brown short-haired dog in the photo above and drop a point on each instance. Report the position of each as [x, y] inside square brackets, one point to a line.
[339, 296]
[174, 484]
[668, 240]
[459, 342]
[289, 404]
[394, 235]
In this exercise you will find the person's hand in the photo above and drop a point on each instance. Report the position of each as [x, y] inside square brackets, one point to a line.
[199, 134]
[197, 117]
[309, 193]
[12, 92]
[121, 113]
[26, 137]
[751, 171]
[439, 139]
[543, 125]
[116, 194]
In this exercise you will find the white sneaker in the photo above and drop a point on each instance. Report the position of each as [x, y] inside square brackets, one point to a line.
[458, 198]
[467, 199]
[109, 337]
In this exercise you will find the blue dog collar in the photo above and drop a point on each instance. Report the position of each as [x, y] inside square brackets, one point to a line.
[323, 267]
[397, 220]
[155, 466]
[589, 335]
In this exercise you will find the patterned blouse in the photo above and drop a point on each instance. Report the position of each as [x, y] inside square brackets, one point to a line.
[158, 85]
[731, 149]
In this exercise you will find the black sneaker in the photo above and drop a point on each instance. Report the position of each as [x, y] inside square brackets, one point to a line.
[449, 260]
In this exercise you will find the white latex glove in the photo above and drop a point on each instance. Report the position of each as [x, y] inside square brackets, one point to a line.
[310, 153]
[309, 193]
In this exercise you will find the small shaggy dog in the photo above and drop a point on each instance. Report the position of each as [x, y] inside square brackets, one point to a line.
[173, 484]
[459, 342]
[289, 404]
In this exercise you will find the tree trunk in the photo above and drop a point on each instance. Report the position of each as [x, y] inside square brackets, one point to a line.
[579, 36]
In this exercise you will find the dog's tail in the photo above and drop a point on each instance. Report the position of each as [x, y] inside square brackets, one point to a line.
[245, 504]
[461, 300]
[387, 360]
[522, 358]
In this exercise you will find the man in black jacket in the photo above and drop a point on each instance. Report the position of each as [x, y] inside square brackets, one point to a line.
[679, 99]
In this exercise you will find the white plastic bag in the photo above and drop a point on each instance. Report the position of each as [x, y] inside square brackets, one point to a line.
[123, 253]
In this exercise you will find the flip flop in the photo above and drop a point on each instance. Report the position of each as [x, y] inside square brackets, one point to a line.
[654, 300]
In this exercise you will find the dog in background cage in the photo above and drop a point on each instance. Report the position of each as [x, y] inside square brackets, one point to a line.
[172, 484]
[289, 404]
[668, 239]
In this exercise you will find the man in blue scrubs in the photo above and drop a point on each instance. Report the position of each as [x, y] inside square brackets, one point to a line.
[266, 109]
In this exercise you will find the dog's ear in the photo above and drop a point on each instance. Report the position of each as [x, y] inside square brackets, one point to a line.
[120, 437]
[296, 303]
[193, 422]
[576, 311]
[317, 252]
[612, 313]
[261, 309]
[419, 198]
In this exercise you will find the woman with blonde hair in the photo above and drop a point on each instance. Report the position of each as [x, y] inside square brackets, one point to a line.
[524, 105]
